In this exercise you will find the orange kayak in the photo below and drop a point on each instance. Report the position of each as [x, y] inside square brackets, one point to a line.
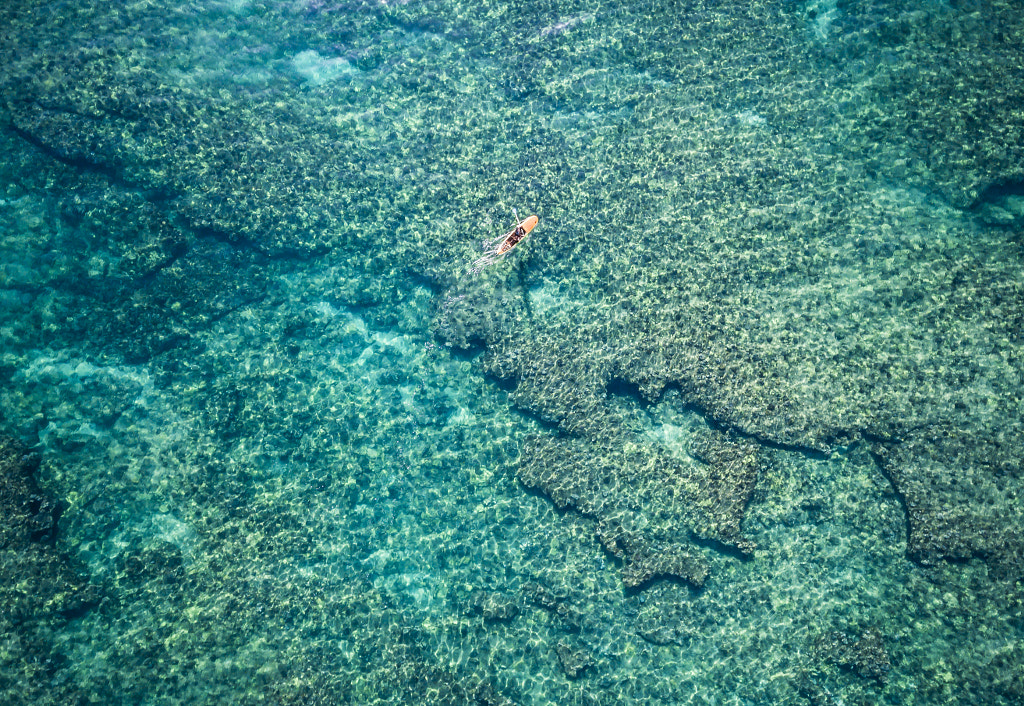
[497, 248]
[514, 236]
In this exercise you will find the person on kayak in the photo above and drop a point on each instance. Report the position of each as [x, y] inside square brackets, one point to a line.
[499, 247]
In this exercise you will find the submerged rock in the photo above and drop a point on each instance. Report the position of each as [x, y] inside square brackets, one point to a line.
[574, 661]
[648, 503]
[953, 489]
[493, 605]
[865, 656]
[42, 587]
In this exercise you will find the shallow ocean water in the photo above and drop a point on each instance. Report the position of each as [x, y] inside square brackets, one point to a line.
[279, 440]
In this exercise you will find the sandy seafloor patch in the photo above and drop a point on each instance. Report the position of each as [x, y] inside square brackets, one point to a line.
[286, 432]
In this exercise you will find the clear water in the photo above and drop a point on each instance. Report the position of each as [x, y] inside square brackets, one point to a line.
[286, 426]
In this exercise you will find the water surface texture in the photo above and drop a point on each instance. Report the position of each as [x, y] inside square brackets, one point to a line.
[740, 422]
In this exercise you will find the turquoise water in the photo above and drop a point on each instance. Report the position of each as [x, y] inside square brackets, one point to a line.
[738, 423]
